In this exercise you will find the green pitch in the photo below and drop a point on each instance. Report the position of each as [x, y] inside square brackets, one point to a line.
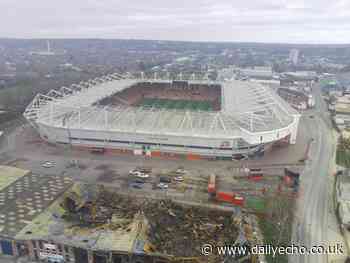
[177, 104]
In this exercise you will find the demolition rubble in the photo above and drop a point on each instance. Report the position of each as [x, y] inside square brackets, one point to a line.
[173, 229]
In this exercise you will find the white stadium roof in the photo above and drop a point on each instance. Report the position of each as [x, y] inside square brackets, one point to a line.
[246, 106]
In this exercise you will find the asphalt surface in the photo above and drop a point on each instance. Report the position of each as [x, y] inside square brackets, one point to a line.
[8, 259]
[313, 206]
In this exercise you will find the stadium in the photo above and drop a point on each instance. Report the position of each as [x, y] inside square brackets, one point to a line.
[195, 119]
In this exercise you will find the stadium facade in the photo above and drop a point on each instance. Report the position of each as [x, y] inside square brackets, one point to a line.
[198, 119]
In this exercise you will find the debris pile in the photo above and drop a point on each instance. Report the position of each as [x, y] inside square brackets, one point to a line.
[174, 229]
[182, 231]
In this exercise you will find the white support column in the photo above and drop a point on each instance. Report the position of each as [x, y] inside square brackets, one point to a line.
[51, 113]
[251, 122]
[79, 118]
[106, 119]
[106, 126]
[294, 130]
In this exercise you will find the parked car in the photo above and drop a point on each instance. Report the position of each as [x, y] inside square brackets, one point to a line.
[146, 170]
[138, 174]
[164, 179]
[181, 171]
[133, 172]
[163, 186]
[138, 181]
[136, 185]
[48, 164]
[142, 175]
[179, 179]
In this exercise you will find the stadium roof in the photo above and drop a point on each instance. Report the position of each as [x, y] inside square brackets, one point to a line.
[246, 106]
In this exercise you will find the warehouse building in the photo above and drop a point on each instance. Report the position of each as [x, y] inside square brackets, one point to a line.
[23, 196]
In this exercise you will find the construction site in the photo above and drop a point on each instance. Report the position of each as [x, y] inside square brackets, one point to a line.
[114, 228]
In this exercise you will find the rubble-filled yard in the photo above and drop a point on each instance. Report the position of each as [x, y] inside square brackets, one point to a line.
[174, 229]
[182, 231]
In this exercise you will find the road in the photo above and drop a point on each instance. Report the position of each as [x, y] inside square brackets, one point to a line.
[314, 204]
[10, 259]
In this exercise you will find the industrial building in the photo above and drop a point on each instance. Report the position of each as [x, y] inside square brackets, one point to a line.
[299, 76]
[297, 99]
[23, 196]
[341, 112]
[256, 72]
[196, 119]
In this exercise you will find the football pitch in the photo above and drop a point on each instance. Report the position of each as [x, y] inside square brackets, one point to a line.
[176, 104]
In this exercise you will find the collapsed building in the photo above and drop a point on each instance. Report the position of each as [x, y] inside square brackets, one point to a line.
[96, 225]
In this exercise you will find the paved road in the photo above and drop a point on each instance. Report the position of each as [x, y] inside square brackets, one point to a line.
[311, 226]
[8, 259]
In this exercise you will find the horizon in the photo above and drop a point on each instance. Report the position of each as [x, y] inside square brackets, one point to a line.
[173, 40]
[251, 21]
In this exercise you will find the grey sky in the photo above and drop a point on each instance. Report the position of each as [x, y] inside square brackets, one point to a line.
[294, 21]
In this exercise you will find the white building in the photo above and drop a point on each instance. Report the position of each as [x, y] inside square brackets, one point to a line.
[251, 117]
[294, 56]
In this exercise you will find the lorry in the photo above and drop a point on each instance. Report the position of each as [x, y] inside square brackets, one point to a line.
[221, 196]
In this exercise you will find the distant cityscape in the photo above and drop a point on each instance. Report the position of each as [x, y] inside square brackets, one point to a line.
[137, 151]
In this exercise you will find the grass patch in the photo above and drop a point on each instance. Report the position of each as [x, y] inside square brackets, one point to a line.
[343, 158]
[343, 152]
[276, 225]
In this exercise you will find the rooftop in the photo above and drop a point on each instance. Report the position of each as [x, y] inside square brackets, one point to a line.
[342, 108]
[9, 174]
[246, 107]
[120, 235]
[24, 195]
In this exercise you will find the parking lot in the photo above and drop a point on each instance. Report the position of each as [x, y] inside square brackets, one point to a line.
[23, 148]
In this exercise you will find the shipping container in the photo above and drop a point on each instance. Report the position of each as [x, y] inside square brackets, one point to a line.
[193, 157]
[255, 177]
[224, 196]
[230, 198]
[156, 154]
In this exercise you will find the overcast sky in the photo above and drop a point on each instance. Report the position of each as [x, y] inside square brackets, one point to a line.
[293, 21]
